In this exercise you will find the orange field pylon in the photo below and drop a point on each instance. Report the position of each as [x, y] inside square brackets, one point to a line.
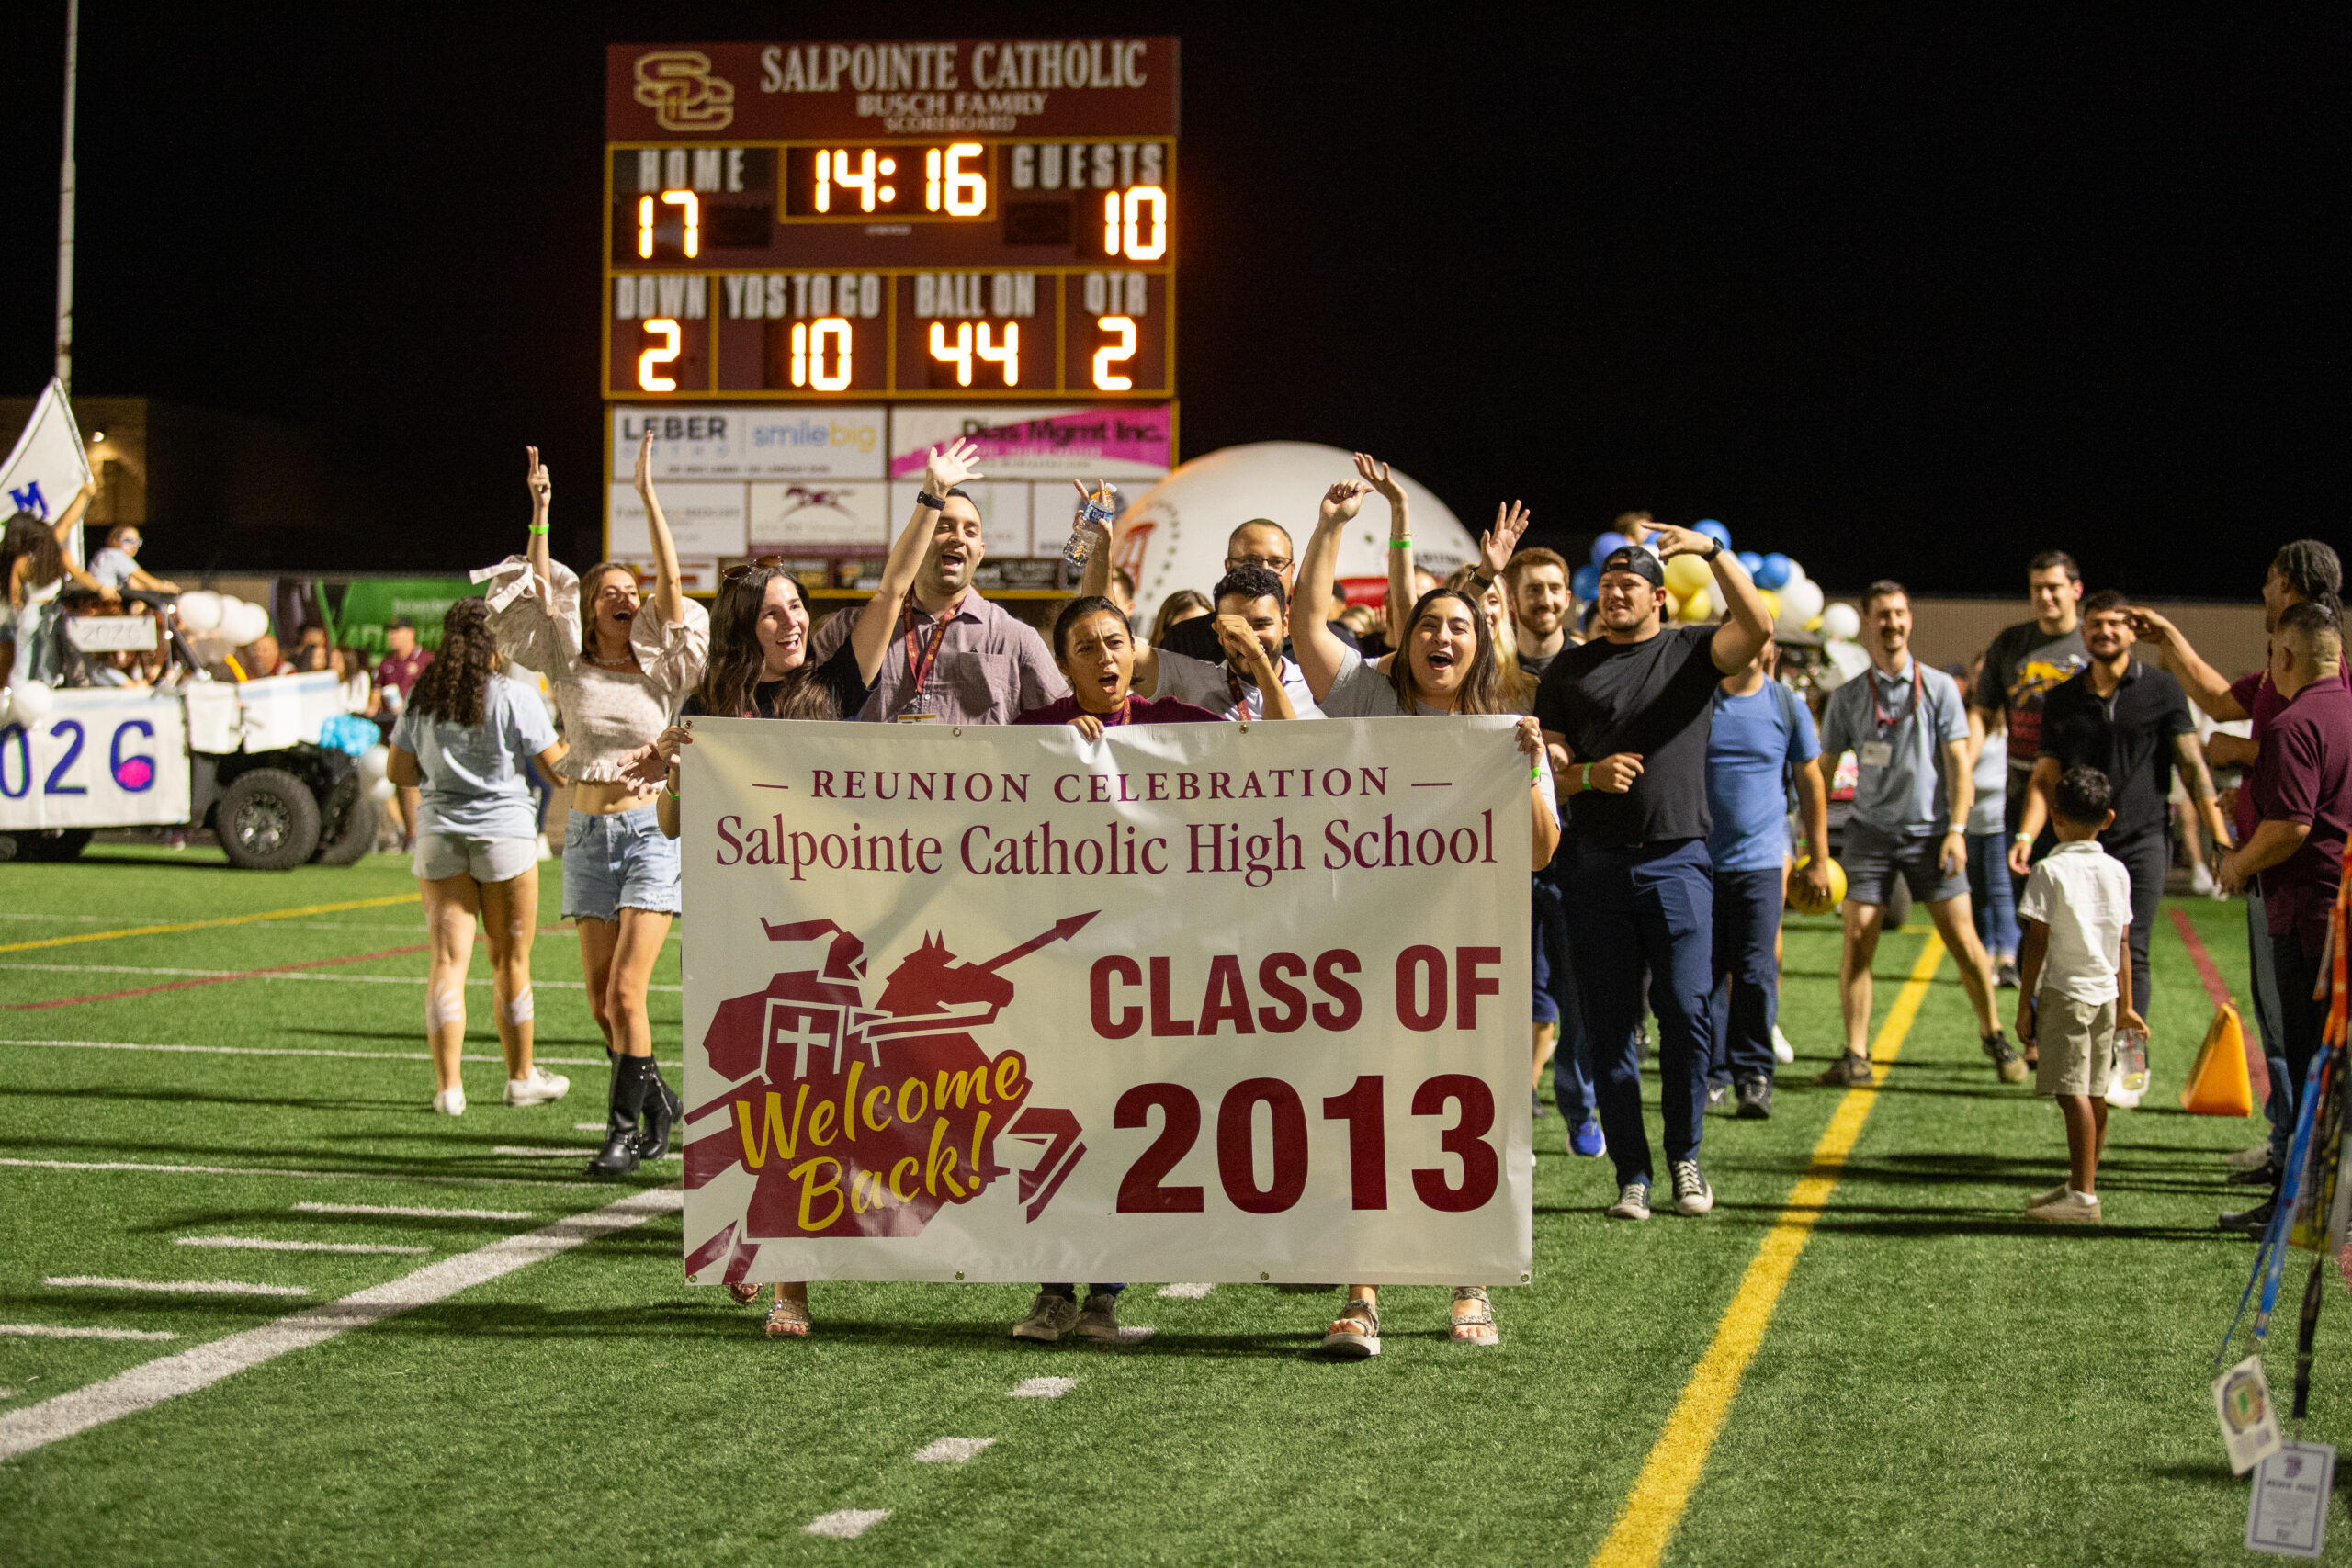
[2218, 1084]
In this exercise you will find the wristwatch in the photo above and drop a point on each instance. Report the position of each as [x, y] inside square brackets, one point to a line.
[1712, 554]
[934, 502]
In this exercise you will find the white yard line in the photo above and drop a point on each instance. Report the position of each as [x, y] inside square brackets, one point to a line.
[35, 1426]
[51, 1331]
[846, 1524]
[262, 1244]
[1185, 1293]
[171, 1287]
[305, 976]
[950, 1451]
[298, 1051]
[1042, 1388]
[412, 1213]
[360, 1176]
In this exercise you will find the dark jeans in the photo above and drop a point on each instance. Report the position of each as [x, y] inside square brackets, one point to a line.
[1071, 1290]
[1652, 905]
[1748, 978]
[1555, 990]
[2147, 855]
[1989, 895]
[2262, 978]
[2299, 1019]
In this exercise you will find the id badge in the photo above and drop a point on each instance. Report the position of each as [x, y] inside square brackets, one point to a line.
[2286, 1516]
[917, 711]
[2249, 1417]
[1877, 754]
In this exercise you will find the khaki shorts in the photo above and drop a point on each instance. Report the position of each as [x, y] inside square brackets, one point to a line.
[2076, 1042]
[438, 856]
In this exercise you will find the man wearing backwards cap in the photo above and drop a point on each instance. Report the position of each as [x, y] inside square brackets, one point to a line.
[1630, 709]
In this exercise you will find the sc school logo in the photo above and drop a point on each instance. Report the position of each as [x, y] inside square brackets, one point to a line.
[677, 85]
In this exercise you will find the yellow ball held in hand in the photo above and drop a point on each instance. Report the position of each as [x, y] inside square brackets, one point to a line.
[1800, 892]
[1686, 575]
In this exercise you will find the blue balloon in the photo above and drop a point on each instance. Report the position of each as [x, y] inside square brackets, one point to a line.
[1714, 530]
[1774, 573]
[1750, 562]
[1607, 544]
[1585, 583]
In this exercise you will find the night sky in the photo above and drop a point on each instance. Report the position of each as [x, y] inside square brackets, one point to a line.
[1912, 292]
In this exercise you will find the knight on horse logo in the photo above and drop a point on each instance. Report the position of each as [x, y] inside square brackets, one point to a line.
[844, 1119]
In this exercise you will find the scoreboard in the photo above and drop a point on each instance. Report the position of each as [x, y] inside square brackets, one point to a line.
[895, 229]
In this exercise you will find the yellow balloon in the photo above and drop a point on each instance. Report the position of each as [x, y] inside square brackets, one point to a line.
[1805, 905]
[1771, 604]
[1686, 575]
[1698, 607]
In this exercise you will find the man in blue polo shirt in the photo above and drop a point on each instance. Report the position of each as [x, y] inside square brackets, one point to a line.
[1908, 728]
[1761, 737]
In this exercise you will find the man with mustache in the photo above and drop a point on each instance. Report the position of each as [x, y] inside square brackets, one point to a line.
[957, 659]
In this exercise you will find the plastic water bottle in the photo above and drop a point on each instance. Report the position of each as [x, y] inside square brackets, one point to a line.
[1101, 507]
[2132, 1059]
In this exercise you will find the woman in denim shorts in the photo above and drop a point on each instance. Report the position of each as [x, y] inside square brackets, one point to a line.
[619, 667]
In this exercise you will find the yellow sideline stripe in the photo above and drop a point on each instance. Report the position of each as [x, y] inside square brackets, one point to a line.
[207, 925]
[1671, 1473]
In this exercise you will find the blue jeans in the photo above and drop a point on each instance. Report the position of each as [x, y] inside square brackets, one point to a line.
[1649, 905]
[1554, 989]
[1990, 896]
[1747, 977]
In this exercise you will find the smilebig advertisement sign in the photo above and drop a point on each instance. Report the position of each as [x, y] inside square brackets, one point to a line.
[1214, 1002]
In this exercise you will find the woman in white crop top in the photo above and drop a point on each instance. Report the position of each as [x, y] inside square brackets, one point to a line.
[619, 666]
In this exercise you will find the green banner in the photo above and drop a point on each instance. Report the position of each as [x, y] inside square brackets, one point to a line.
[369, 604]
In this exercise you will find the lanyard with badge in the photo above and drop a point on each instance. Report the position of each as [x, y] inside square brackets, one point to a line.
[921, 657]
[1879, 753]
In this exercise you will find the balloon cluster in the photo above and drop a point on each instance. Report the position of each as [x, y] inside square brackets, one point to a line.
[222, 620]
[1795, 602]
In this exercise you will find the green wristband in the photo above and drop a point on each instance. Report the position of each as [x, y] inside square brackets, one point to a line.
[1400, 544]
[539, 528]
[1587, 781]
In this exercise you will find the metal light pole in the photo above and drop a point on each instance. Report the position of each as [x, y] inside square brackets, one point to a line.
[65, 207]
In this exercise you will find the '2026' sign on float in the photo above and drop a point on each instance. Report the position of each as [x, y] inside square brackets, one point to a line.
[1201, 1002]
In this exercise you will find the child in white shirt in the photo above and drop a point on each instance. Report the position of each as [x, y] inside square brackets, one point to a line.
[2075, 983]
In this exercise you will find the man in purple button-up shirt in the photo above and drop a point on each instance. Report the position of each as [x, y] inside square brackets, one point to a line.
[983, 666]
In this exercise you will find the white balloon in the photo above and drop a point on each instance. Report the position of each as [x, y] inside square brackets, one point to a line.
[1800, 601]
[374, 761]
[243, 623]
[1796, 572]
[1845, 662]
[200, 610]
[380, 790]
[1841, 623]
[34, 702]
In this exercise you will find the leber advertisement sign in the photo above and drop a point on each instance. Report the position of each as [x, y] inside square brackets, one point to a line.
[1210, 1001]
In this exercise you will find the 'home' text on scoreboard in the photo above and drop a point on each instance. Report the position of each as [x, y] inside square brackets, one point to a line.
[973, 218]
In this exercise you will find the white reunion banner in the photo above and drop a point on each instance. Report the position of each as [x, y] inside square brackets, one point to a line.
[48, 465]
[1205, 1001]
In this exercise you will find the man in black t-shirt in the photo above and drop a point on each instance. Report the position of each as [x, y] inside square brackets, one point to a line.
[2024, 664]
[2132, 722]
[1630, 711]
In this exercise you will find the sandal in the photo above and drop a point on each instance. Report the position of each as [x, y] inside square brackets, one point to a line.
[1355, 1333]
[745, 1293]
[1475, 1326]
[788, 1320]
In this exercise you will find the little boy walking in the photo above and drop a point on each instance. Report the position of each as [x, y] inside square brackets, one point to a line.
[2075, 983]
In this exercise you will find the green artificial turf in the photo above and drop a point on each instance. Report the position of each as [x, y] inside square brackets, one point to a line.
[1942, 1383]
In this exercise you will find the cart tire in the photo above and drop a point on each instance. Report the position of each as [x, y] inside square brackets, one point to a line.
[266, 820]
[358, 835]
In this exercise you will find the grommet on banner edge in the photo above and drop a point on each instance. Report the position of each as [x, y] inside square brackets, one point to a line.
[959, 1273]
[694, 1278]
[1263, 1275]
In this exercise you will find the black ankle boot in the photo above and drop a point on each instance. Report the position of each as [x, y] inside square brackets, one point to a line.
[659, 1115]
[618, 1157]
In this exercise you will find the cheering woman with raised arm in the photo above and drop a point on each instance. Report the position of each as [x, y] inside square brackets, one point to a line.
[620, 667]
[1446, 666]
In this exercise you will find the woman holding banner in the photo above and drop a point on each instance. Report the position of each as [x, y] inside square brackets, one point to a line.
[1447, 665]
[759, 668]
[619, 668]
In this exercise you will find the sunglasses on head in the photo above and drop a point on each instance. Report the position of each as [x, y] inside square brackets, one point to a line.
[757, 563]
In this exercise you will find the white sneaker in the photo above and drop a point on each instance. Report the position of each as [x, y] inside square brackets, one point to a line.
[1782, 1052]
[451, 1101]
[1632, 1202]
[2073, 1209]
[538, 1088]
[2043, 1199]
